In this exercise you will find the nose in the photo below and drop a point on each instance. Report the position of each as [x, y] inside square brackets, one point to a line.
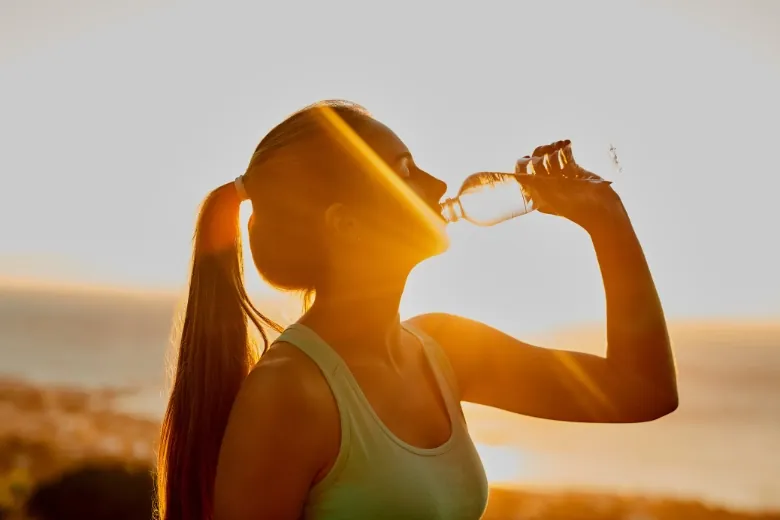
[434, 186]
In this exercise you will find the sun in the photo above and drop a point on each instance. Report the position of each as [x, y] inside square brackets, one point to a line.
[504, 464]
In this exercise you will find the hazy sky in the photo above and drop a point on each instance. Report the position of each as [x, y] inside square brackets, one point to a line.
[116, 121]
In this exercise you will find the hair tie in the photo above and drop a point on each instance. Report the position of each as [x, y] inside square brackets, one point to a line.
[240, 189]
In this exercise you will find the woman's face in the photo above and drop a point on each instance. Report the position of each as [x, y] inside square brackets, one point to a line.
[401, 215]
[388, 216]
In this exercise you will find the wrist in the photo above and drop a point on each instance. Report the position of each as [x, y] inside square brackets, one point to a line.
[612, 225]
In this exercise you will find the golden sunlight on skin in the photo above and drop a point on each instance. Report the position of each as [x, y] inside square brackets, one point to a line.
[385, 175]
[113, 139]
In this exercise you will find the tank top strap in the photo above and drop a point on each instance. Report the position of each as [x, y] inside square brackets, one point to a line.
[340, 379]
[440, 364]
[377, 475]
[313, 346]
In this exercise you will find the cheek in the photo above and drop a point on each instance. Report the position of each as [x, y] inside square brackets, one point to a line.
[417, 188]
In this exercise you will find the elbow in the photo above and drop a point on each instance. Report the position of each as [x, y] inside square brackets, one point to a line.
[650, 405]
[663, 406]
[664, 397]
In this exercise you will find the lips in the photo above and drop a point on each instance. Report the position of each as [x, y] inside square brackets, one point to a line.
[434, 205]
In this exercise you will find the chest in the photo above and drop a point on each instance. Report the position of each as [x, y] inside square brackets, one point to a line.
[409, 402]
[448, 486]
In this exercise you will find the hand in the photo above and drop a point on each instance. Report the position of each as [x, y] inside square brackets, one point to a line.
[559, 186]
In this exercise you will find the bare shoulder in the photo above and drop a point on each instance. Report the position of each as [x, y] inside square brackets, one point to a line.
[431, 322]
[453, 332]
[449, 330]
[285, 359]
[442, 322]
[478, 353]
[285, 400]
[287, 378]
[283, 433]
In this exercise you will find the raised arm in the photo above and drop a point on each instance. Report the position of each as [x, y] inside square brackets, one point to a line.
[636, 381]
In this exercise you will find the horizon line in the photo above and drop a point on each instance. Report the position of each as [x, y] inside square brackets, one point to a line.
[72, 287]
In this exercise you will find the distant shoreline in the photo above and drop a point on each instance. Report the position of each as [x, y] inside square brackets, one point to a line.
[177, 297]
[76, 426]
[67, 343]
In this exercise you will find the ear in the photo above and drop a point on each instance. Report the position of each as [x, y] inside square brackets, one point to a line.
[340, 223]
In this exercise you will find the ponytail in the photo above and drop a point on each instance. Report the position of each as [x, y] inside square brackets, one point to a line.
[214, 357]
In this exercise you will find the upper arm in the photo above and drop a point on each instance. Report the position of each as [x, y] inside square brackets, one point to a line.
[495, 369]
[270, 454]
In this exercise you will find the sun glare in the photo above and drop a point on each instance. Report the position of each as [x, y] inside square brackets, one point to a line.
[362, 152]
[504, 465]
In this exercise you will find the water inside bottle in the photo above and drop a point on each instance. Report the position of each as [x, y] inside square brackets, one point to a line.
[487, 198]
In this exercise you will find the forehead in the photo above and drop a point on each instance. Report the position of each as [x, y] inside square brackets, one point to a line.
[381, 139]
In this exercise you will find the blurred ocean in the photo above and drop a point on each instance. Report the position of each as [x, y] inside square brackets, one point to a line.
[722, 445]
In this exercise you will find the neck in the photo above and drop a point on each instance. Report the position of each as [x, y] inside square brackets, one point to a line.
[359, 312]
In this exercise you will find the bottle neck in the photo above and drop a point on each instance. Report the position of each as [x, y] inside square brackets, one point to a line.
[452, 210]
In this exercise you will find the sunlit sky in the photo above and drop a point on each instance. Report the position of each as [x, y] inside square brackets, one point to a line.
[117, 118]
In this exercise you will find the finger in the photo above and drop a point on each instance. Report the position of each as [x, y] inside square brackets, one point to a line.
[530, 166]
[538, 189]
[521, 165]
[553, 193]
[565, 161]
[539, 151]
[565, 154]
[552, 147]
[561, 158]
[557, 145]
[544, 182]
[538, 165]
[547, 160]
[550, 166]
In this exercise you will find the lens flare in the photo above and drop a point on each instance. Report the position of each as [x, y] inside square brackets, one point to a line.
[383, 173]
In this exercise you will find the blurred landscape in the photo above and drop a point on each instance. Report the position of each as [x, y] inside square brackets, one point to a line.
[83, 384]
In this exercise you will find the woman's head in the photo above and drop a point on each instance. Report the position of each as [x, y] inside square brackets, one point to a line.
[323, 204]
[334, 194]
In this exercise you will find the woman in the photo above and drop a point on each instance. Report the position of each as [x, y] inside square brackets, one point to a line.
[352, 413]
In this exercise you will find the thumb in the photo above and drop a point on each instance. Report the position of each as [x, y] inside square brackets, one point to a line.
[530, 166]
[521, 166]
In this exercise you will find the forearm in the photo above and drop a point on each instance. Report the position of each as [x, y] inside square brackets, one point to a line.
[637, 338]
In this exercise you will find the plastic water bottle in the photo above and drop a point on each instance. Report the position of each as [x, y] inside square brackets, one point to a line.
[488, 198]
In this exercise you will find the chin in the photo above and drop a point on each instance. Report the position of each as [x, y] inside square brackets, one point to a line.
[427, 244]
[414, 241]
[442, 244]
